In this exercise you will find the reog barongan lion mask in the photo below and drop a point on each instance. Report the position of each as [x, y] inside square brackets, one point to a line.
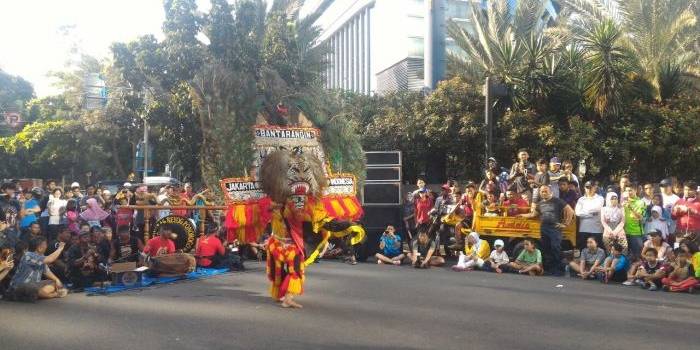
[292, 175]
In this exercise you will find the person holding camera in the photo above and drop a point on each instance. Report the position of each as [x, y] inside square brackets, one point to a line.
[390, 245]
[422, 256]
[83, 262]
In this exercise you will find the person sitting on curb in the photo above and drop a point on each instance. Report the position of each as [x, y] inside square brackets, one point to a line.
[27, 283]
[651, 272]
[529, 261]
[390, 245]
[422, 255]
[590, 260]
[615, 266]
[476, 251]
[498, 260]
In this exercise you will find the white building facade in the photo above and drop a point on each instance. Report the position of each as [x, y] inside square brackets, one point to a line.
[378, 46]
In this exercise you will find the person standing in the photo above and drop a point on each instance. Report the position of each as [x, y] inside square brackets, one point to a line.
[588, 209]
[648, 194]
[555, 215]
[423, 206]
[57, 209]
[669, 199]
[555, 174]
[634, 214]
[10, 210]
[521, 172]
[686, 212]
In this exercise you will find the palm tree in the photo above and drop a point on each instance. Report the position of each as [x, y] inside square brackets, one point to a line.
[661, 37]
[509, 43]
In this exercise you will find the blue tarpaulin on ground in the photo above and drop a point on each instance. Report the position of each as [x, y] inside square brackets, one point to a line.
[152, 281]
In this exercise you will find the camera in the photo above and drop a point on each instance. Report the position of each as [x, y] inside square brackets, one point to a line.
[419, 263]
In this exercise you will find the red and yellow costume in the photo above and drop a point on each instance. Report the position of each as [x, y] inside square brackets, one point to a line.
[286, 258]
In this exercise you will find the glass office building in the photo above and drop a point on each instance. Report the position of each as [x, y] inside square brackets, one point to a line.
[378, 46]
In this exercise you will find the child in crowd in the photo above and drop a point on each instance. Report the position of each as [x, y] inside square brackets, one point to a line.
[529, 261]
[591, 259]
[682, 278]
[390, 245]
[498, 260]
[656, 222]
[476, 251]
[656, 241]
[491, 205]
[615, 266]
[650, 273]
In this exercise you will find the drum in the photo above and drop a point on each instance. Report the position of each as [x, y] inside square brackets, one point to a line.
[182, 227]
[177, 264]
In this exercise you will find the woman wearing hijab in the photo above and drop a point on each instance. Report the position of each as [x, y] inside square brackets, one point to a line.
[476, 251]
[612, 216]
[94, 214]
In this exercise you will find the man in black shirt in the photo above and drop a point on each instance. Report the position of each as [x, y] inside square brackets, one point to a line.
[60, 266]
[126, 248]
[9, 211]
[550, 210]
[422, 255]
[522, 172]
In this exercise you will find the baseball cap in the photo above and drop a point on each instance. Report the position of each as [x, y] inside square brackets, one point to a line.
[127, 184]
[74, 185]
[666, 182]
[555, 160]
[656, 208]
[498, 243]
[492, 159]
[655, 233]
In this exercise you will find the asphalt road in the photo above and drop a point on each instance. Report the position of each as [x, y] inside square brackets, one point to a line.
[362, 307]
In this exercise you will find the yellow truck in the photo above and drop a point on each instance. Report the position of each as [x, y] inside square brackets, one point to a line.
[513, 228]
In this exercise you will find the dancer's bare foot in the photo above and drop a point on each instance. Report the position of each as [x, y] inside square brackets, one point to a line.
[289, 302]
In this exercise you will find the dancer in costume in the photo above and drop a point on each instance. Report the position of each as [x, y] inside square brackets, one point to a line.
[293, 182]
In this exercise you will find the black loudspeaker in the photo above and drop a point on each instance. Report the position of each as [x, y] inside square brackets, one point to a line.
[383, 158]
[374, 221]
[384, 174]
[381, 193]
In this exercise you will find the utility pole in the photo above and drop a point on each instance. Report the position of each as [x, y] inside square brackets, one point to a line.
[145, 148]
[493, 89]
[488, 121]
[146, 102]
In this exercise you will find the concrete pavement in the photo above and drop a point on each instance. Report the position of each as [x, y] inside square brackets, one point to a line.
[362, 307]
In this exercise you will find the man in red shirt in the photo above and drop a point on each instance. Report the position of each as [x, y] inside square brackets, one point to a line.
[423, 206]
[515, 204]
[161, 245]
[210, 251]
[686, 212]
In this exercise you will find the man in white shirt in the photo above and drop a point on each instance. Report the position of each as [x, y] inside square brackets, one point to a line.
[588, 210]
[669, 200]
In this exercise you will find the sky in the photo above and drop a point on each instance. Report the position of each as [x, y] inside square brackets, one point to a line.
[37, 36]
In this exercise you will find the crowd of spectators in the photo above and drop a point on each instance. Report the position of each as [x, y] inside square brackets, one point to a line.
[54, 240]
[637, 234]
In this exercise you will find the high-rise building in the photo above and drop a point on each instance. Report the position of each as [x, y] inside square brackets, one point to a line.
[378, 46]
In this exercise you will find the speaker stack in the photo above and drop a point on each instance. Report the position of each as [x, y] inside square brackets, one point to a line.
[381, 198]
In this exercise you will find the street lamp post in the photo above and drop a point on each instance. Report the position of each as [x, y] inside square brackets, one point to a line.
[492, 89]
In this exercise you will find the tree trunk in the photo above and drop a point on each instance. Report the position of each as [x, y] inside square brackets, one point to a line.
[117, 163]
[436, 167]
